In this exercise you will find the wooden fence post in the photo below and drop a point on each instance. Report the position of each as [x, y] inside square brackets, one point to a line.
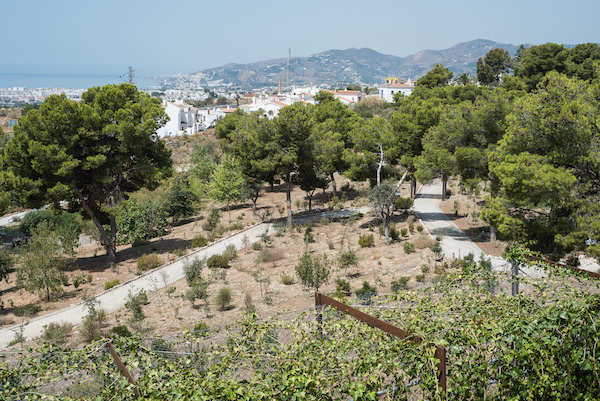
[122, 368]
[440, 352]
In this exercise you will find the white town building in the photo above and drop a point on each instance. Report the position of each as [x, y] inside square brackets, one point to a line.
[387, 91]
[183, 119]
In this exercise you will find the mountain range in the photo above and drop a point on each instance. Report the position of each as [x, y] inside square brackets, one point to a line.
[331, 67]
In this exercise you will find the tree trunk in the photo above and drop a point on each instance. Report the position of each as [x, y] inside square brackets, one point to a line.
[288, 197]
[334, 187]
[413, 187]
[444, 187]
[380, 164]
[309, 203]
[108, 245]
[492, 233]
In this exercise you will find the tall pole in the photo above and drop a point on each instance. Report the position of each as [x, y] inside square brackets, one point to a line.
[515, 277]
[288, 66]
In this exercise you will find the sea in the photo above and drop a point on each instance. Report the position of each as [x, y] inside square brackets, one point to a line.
[70, 81]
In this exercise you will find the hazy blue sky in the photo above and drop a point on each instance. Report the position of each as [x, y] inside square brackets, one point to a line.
[163, 37]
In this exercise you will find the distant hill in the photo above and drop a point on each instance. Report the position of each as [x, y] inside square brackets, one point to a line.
[347, 66]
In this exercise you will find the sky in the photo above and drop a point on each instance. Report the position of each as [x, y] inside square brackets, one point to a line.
[185, 36]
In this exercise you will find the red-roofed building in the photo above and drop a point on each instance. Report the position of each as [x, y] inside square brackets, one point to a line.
[387, 91]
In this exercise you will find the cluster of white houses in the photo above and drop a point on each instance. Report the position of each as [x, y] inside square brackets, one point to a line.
[186, 119]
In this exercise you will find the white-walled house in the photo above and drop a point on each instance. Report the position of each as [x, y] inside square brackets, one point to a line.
[387, 91]
[183, 119]
[348, 97]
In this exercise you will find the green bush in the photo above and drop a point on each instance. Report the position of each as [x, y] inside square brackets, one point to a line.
[308, 236]
[223, 298]
[404, 231]
[411, 227]
[230, 251]
[201, 330]
[366, 240]
[212, 220]
[437, 249]
[141, 221]
[403, 203]
[56, 333]
[148, 262]
[199, 241]
[348, 258]
[366, 292]
[425, 269]
[257, 246]
[420, 228]
[409, 247]
[400, 284]
[218, 261]
[392, 230]
[134, 304]
[287, 279]
[121, 331]
[238, 225]
[26, 310]
[342, 287]
[110, 284]
[420, 278]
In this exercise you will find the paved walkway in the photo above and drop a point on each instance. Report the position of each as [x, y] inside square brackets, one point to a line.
[455, 244]
[161, 277]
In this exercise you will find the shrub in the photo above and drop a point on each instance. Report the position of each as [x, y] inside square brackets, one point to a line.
[79, 279]
[223, 298]
[420, 228]
[212, 220]
[403, 203]
[287, 279]
[56, 333]
[423, 241]
[91, 326]
[201, 330]
[198, 291]
[121, 331]
[257, 246]
[366, 292]
[348, 258]
[148, 262]
[313, 272]
[199, 241]
[404, 231]
[366, 240]
[437, 249]
[420, 278]
[411, 227]
[425, 269]
[230, 251]
[218, 261]
[394, 233]
[400, 284]
[141, 221]
[134, 304]
[342, 287]
[238, 225]
[409, 247]
[110, 284]
[308, 236]
[26, 310]
[572, 260]
[193, 270]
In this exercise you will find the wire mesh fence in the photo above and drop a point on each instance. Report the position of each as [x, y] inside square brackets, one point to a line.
[471, 314]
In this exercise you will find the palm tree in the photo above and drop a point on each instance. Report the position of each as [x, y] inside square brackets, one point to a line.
[464, 79]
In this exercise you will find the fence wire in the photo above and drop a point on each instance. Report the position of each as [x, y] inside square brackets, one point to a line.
[254, 349]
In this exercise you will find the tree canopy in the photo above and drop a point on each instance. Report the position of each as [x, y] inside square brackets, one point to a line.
[89, 153]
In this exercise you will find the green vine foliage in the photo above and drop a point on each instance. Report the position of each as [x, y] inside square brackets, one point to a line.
[540, 344]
